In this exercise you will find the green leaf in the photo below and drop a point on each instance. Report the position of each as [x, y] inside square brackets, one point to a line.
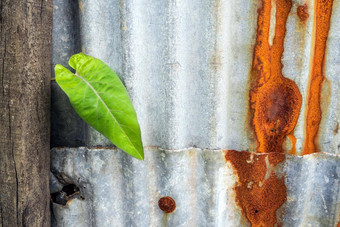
[100, 98]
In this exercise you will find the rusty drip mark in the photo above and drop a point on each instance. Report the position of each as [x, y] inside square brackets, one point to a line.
[336, 128]
[322, 19]
[81, 7]
[274, 99]
[167, 204]
[275, 102]
[259, 192]
[302, 12]
[165, 220]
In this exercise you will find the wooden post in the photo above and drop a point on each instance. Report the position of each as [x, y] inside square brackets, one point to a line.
[25, 58]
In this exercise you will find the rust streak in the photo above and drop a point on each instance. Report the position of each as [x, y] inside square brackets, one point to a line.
[336, 128]
[274, 99]
[292, 139]
[322, 19]
[275, 103]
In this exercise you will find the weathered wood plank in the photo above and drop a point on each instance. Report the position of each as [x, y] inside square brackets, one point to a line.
[25, 53]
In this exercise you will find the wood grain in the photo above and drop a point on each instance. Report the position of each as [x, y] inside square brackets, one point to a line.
[25, 58]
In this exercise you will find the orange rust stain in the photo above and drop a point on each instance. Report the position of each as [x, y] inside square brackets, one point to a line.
[274, 99]
[275, 103]
[322, 19]
[302, 12]
[260, 191]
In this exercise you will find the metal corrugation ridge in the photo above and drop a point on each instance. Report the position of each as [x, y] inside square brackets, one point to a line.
[121, 191]
[186, 65]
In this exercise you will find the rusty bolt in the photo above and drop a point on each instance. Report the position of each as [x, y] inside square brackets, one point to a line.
[167, 204]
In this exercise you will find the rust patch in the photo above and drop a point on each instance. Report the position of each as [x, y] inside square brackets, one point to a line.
[167, 204]
[259, 191]
[322, 23]
[274, 99]
[302, 12]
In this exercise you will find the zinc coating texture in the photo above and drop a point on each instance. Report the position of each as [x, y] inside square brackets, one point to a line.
[186, 65]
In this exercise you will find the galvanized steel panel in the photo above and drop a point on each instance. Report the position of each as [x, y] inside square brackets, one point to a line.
[186, 65]
[122, 191]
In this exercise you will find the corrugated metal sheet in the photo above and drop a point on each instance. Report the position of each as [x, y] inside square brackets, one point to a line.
[186, 65]
[122, 191]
